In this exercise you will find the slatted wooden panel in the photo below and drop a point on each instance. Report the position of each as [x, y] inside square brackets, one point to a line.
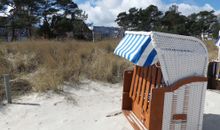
[143, 81]
[143, 88]
[133, 81]
[146, 93]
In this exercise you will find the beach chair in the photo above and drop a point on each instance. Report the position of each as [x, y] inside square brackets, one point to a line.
[166, 88]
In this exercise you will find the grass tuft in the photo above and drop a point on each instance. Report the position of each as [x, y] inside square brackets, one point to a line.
[43, 65]
[46, 65]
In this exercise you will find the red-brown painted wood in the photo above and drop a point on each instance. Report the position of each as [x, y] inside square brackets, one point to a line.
[136, 83]
[143, 90]
[132, 81]
[148, 95]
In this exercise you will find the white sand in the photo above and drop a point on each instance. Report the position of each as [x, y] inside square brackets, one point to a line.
[85, 107]
[212, 111]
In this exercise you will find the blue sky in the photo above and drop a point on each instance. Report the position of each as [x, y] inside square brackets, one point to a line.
[214, 3]
[104, 12]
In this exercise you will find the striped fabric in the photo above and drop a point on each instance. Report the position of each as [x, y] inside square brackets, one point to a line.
[137, 47]
[218, 42]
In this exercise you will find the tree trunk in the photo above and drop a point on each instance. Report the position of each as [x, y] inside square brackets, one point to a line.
[13, 36]
[30, 31]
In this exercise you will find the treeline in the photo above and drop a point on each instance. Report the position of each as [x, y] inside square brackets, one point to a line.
[171, 21]
[45, 18]
[62, 18]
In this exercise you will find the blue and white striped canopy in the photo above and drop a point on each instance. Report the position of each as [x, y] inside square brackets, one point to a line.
[138, 48]
[218, 42]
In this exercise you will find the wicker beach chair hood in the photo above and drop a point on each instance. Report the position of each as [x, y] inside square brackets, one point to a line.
[179, 56]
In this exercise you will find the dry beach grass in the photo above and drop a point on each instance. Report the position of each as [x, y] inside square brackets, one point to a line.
[42, 65]
[45, 65]
[212, 49]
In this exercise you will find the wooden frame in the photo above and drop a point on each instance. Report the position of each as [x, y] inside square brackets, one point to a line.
[143, 97]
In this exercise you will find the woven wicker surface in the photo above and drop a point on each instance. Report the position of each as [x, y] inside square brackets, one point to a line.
[180, 56]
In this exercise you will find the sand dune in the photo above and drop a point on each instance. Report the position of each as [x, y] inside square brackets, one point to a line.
[91, 105]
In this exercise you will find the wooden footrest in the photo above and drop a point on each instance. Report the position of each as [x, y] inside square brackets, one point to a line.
[133, 120]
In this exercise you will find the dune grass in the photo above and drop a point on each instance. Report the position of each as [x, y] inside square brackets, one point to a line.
[41, 65]
[212, 49]
[47, 65]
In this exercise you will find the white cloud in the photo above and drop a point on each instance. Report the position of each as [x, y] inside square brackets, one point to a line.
[217, 12]
[187, 9]
[104, 12]
[6, 13]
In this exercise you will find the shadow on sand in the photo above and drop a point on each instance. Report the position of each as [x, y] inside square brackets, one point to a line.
[30, 104]
[211, 122]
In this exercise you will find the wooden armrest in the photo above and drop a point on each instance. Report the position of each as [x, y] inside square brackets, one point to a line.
[182, 82]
